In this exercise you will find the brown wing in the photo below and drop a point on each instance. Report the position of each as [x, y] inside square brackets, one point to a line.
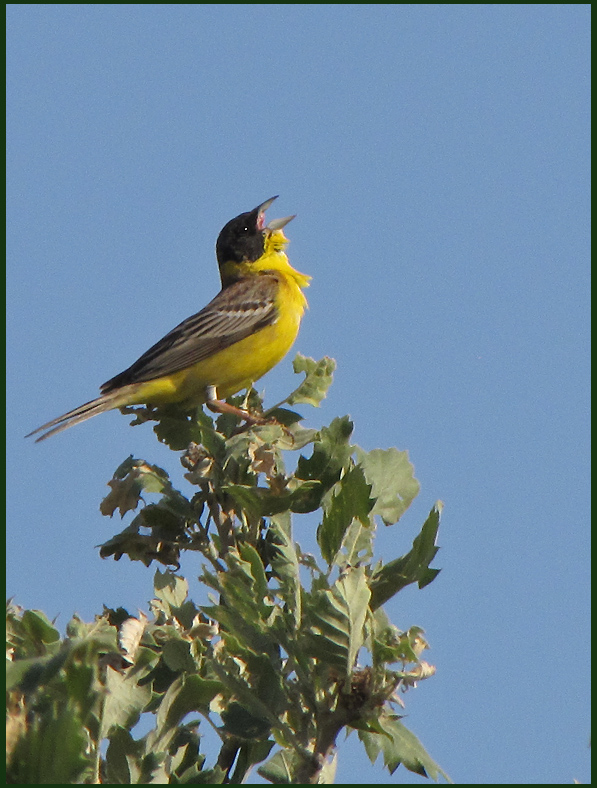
[236, 312]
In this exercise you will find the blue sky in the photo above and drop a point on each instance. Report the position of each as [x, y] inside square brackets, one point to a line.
[436, 157]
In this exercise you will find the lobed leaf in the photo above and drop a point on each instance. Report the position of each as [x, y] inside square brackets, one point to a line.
[400, 746]
[350, 501]
[177, 429]
[318, 379]
[410, 568]
[337, 618]
[331, 454]
[391, 476]
[286, 568]
[36, 625]
[357, 545]
[124, 702]
[130, 479]
[170, 588]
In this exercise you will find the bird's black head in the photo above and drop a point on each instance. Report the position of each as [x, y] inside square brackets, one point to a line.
[242, 239]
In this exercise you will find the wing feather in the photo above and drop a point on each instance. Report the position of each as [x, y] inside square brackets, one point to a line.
[235, 313]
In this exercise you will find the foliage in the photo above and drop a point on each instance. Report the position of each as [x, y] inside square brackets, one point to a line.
[286, 652]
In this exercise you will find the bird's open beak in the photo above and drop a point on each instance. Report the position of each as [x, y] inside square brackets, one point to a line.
[275, 224]
[261, 209]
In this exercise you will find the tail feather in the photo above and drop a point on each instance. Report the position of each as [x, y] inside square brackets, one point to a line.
[82, 413]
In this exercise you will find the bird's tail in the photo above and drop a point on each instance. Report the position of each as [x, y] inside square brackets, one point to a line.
[114, 399]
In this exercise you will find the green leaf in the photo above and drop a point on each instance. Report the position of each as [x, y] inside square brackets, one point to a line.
[240, 722]
[176, 653]
[176, 428]
[400, 746]
[215, 776]
[101, 634]
[186, 613]
[250, 753]
[52, 751]
[252, 557]
[318, 379]
[139, 547]
[351, 501]
[198, 694]
[131, 479]
[30, 674]
[286, 567]
[37, 626]
[389, 645]
[188, 762]
[298, 497]
[258, 689]
[337, 618]
[410, 568]
[246, 498]
[208, 440]
[284, 416]
[55, 753]
[81, 684]
[281, 767]
[170, 588]
[352, 587]
[122, 758]
[185, 694]
[167, 518]
[331, 454]
[370, 725]
[242, 446]
[391, 477]
[327, 774]
[125, 700]
[243, 613]
[357, 545]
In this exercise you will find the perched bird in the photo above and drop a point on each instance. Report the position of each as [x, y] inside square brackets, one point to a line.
[239, 336]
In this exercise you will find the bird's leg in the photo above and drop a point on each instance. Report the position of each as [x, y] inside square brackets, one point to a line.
[219, 406]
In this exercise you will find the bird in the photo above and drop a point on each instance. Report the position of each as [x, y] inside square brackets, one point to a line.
[231, 343]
